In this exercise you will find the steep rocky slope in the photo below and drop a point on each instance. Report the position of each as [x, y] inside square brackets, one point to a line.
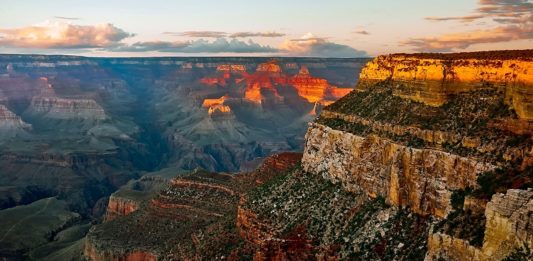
[191, 218]
[11, 125]
[422, 131]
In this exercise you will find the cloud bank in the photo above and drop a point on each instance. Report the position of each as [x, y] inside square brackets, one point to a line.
[66, 18]
[68, 37]
[310, 45]
[363, 32]
[256, 34]
[219, 34]
[59, 35]
[220, 45]
[202, 34]
[513, 18]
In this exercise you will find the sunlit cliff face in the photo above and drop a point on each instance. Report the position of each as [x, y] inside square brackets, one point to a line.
[212, 102]
[311, 88]
[442, 79]
[268, 77]
[222, 109]
[253, 93]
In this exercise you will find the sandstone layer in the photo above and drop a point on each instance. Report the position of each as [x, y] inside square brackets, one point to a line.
[421, 179]
[64, 108]
[434, 81]
[120, 206]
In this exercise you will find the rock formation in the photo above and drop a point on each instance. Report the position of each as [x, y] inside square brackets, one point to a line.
[187, 219]
[269, 76]
[270, 67]
[65, 108]
[311, 88]
[508, 229]
[239, 68]
[416, 154]
[435, 81]
[120, 206]
[421, 179]
[11, 125]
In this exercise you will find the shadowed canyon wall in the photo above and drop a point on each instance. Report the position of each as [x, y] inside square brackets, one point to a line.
[79, 128]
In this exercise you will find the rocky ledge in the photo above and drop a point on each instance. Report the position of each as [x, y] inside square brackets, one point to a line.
[193, 217]
[66, 108]
[433, 80]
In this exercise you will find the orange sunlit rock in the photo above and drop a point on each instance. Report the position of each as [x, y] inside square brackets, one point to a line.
[212, 81]
[441, 79]
[253, 93]
[338, 93]
[311, 88]
[269, 77]
[231, 68]
[219, 108]
[271, 67]
[326, 102]
[211, 102]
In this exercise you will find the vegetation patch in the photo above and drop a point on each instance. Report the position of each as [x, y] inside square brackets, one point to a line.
[500, 180]
[464, 115]
[332, 220]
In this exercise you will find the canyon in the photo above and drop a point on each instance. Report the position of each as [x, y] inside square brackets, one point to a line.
[401, 168]
[429, 157]
[89, 132]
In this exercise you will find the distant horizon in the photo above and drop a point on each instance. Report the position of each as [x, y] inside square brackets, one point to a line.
[311, 28]
[262, 57]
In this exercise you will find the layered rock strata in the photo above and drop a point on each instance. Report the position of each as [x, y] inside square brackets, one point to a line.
[63, 108]
[508, 229]
[435, 81]
[421, 179]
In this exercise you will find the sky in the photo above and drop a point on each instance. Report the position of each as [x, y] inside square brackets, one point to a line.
[312, 28]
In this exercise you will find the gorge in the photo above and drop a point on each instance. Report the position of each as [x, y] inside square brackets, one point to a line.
[429, 157]
[73, 130]
[402, 168]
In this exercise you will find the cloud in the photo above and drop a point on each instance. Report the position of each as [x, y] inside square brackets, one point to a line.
[363, 32]
[220, 45]
[466, 18]
[66, 18]
[495, 9]
[60, 35]
[219, 34]
[305, 46]
[513, 18]
[310, 45]
[199, 34]
[448, 42]
[506, 7]
[256, 34]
